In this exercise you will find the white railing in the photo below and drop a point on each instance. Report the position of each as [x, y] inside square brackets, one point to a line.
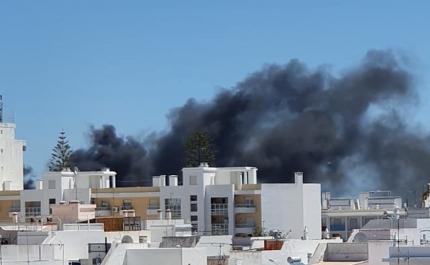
[32, 211]
[219, 209]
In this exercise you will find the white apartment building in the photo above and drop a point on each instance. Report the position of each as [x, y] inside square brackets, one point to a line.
[342, 215]
[11, 158]
[215, 201]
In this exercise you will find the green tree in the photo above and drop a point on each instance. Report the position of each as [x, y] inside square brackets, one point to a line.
[60, 154]
[199, 149]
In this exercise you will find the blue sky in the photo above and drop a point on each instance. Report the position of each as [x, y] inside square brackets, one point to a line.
[71, 64]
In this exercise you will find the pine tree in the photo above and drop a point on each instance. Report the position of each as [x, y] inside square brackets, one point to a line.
[60, 154]
[199, 149]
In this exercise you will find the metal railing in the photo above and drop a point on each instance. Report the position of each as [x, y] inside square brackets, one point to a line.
[219, 209]
[244, 225]
[103, 208]
[244, 205]
[126, 207]
[153, 207]
[15, 210]
[220, 229]
[32, 211]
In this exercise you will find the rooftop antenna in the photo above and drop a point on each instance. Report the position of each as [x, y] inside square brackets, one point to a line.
[1, 108]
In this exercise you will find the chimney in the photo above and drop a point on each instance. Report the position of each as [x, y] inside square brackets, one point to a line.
[173, 180]
[168, 214]
[62, 202]
[39, 184]
[160, 214]
[298, 177]
[15, 218]
[162, 180]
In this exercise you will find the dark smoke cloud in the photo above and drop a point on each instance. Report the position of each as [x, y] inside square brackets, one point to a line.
[124, 155]
[29, 182]
[344, 131]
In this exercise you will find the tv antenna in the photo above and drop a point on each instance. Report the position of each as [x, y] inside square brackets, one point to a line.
[221, 255]
[1, 108]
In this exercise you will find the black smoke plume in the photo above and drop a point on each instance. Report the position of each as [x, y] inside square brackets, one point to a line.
[28, 178]
[124, 155]
[341, 130]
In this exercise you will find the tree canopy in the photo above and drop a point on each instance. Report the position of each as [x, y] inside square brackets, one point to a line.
[60, 154]
[199, 149]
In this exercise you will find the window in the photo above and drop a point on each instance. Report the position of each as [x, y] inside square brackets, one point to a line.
[193, 180]
[126, 205]
[194, 207]
[1, 151]
[51, 184]
[337, 221]
[51, 201]
[193, 198]
[194, 218]
[353, 223]
[174, 204]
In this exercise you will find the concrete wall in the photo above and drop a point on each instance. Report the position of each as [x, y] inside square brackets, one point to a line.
[31, 237]
[378, 250]
[347, 252]
[171, 256]
[25, 253]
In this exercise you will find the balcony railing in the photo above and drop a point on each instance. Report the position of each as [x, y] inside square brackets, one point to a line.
[103, 208]
[245, 225]
[219, 209]
[15, 210]
[245, 205]
[126, 207]
[220, 229]
[32, 211]
[153, 207]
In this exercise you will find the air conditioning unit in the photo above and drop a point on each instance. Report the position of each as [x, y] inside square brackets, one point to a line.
[115, 209]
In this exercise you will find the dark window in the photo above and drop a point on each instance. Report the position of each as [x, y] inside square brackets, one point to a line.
[194, 207]
[51, 201]
[194, 218]
[193, 198]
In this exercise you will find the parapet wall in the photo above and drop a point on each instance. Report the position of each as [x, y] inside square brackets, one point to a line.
[347, 252]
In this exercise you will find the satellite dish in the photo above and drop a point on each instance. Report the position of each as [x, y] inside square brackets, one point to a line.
[127, 239]
[360, 238]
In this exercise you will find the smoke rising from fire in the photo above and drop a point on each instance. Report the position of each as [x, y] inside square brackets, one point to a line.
[341, 130]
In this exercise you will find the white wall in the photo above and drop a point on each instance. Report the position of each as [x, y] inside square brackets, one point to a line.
[117, 236]
[21, 254]
[11, 158]
[76, 242]
[171, 256]
[378, 250]
[292, 206]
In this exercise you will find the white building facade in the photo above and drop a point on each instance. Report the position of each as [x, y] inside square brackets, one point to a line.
[11, 158]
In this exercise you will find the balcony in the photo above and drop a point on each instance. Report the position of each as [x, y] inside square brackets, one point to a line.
[32, 211]
[219, 229]
[244, 208]
[152, 209]
[219, 209]
[126, 207]
[103, 211]
[244, 228]
[14, 210]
